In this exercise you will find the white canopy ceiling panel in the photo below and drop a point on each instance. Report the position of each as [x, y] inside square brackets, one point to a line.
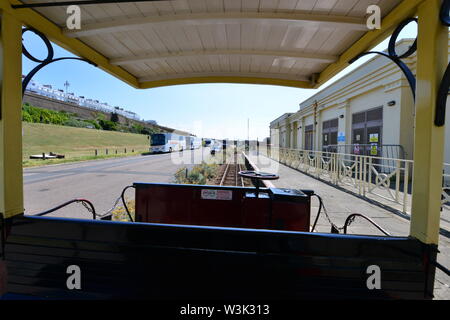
[157, 40]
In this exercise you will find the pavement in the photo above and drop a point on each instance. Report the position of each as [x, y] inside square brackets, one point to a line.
[340, 205]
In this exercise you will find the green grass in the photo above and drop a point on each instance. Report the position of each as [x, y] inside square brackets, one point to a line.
[37, 162]
[77, 144]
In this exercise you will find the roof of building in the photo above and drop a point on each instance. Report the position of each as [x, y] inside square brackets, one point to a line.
[360, 73]
[281, 118]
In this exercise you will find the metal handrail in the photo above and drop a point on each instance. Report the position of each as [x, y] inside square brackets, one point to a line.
[83, 201]
[352, 217]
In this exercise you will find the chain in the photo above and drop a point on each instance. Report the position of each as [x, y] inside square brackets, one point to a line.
[110, 210]
[352, 219]
[329, 220]
[86, 206]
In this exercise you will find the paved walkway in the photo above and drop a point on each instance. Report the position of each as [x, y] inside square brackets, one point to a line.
[340, 204]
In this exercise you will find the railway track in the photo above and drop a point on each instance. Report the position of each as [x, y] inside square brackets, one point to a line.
[230, 175]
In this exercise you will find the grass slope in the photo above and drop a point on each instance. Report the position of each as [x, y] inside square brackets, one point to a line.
[77, 142]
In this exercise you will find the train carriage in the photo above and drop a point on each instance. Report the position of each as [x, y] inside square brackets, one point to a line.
[210, 242]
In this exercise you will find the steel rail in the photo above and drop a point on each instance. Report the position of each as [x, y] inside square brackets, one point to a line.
[224, 174]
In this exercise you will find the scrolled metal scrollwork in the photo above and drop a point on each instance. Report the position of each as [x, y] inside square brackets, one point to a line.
[441, 101]
[42, 62]
[394, 57]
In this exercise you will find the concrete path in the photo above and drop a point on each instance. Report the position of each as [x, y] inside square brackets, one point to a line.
[340, 205]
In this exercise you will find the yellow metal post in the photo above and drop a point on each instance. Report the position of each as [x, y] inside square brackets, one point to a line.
[11, 181]
[432, 56]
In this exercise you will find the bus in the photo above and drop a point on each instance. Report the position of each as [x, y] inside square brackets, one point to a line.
[167, 142]
[208, 142]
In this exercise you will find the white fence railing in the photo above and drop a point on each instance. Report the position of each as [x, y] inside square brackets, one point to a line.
[446, 187]
[385, 180]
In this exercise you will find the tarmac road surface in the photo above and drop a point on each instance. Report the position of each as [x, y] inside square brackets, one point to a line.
[100, 181]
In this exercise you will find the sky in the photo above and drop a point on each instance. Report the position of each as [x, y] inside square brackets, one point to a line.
[232, 111]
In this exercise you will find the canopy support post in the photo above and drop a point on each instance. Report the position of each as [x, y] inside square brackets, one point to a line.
[432, 56]
[11, 180]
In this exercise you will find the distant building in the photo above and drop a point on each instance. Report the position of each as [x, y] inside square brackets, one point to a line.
[59, 94]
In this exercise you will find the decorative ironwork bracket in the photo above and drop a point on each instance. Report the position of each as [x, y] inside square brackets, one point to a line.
[394, 57]
[42, 63]
[441, 102]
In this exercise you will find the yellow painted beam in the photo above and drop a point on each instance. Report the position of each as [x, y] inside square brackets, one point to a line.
[55, 34]
[11, 181]
[222, 79]
[432, 56]
[405, 9]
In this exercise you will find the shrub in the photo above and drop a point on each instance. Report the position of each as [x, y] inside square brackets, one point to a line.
[40, 115]
[26, 117]
[108, 125]
[195, 177]
[94, 123]
[200, 174]
[76, 123]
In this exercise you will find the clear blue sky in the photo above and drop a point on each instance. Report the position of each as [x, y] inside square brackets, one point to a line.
[207, 110]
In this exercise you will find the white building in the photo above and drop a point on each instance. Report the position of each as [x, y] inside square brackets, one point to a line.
[59, 94]
[368, 111]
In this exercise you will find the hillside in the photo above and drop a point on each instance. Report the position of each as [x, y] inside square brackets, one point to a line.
[84, 113]
[76, 142]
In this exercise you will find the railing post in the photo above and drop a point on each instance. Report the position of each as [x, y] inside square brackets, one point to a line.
[338, 168]
[397, 181]
[333, 168]
[405, 186]
[316, 157]
[360, 174]
[364, 175]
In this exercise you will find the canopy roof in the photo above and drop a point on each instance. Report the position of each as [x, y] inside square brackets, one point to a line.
[300, 43]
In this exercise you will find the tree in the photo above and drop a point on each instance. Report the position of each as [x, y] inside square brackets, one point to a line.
[107, 125]
[114, 117]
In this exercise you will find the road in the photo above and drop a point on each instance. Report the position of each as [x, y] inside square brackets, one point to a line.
[100, 181]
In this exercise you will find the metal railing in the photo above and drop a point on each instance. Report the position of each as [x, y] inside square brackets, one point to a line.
[394, 151]
[446, 187]
[385, 180]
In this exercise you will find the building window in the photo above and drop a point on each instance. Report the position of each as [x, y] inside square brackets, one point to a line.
[309, 137]
[329, 134]
[367, 130]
